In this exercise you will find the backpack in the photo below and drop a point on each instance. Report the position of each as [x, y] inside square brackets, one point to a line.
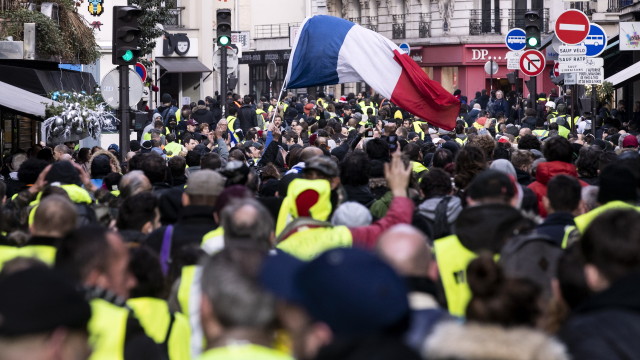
[531, 256]
[439, 227]
[167, 113]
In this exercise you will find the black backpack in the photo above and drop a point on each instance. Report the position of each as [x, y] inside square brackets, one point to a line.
[532, 256]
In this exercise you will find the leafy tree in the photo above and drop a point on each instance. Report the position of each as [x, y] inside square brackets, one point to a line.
[154, 13]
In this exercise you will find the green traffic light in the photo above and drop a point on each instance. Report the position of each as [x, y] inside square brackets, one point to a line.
[224, 40]
[128, 56]
[532, 42]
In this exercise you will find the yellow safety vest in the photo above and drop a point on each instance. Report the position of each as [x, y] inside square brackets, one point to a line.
[189, 300]
[563, 131]
[417, 127]
[567, 232]
[213, 241]
[76, 193]
[583, 221]
[540, 133]
[460, 141]
[319, 211]
[311, 242]
[231, 121]
[155, 318]
[417, 167]
[107, 330]
[44, 253]
[244, 352]
[453, 259]
[173, 148]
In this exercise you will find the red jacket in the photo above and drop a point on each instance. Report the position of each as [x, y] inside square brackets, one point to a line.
[545, 172]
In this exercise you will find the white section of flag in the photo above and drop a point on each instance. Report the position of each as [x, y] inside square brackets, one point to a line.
[366, 48]
[572, 27]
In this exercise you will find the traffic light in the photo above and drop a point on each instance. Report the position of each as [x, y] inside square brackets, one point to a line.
[532, 27]
[223, 29]
[126, 35]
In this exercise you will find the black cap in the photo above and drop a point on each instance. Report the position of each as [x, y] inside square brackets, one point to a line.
[201, 102]
[39, 300]
[134, 145]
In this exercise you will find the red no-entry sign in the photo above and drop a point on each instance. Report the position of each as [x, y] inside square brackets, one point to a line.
[532, 62]
[572, 27]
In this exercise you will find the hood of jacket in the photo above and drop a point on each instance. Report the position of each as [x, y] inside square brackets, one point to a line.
[473, 341]
[548, 170]
[200, 110]
[487, 227]
[428, 208]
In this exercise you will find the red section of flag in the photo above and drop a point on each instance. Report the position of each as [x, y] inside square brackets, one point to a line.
[423, 97]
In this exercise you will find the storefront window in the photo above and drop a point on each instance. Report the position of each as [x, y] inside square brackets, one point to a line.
[19, 132]
[449, 78]
[429, 71]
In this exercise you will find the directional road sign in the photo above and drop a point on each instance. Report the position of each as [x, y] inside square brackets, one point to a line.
[515, 39]
[405, 48]
[532, 62]
[556, 71]
[596, 40]
[572, 26]
[142, 71]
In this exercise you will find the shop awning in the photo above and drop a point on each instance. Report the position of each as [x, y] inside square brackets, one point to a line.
[182, 65]
[625, 75]
[44, 81]
[23, 101]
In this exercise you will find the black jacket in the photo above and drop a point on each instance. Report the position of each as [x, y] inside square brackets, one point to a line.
[202, 115]
[607, 325]
[246, 118]
[555, 224]
[194, 222]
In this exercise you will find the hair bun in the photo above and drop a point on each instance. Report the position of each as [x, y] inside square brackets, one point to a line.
[485, 277]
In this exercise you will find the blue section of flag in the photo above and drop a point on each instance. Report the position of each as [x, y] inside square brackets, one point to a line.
[315, 60]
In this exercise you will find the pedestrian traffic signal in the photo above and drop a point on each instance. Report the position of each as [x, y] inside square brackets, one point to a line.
[532, 27]
[126, 35]
[223, 28]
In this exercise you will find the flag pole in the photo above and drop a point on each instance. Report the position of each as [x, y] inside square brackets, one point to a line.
[284, 83]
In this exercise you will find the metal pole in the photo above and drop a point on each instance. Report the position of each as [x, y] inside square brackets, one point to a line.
[533, 92]
[223, 80]
[593, 110]
[573, 111]
[125, 126]
[491, 73]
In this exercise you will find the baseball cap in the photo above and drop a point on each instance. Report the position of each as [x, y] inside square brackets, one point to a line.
[630, 141]
[205, 182]
[192, 122]
[322, 164]
[41, 300]
[146, 146]
[351, 290]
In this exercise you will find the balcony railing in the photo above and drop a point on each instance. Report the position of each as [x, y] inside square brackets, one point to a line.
[355, 20]
[398, 31]
[424, 26]
[616, 5]
[175, 18]
[370, 22]
[484, 22]
[516, 19]
[273, 30]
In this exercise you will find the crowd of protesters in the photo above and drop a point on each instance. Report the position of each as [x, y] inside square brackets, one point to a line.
[310, 227]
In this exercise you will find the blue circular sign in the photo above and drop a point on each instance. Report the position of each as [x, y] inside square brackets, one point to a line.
[596, 40]
[516, 39]
[405, 47]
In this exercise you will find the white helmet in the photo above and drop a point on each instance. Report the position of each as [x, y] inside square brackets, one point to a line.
[550, 104]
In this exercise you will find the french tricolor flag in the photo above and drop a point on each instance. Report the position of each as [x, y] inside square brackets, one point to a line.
[330, 50]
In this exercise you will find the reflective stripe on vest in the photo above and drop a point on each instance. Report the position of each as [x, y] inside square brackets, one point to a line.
[189, 293]
[213, 241]
[107, 330]
[540, 133]
[583, 221]
[311, 242]
[231, 121]
[567, 232]
[155, 317]
[244, 352]
[453, 259]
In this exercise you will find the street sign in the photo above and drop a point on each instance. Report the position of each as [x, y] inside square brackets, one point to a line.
[570, 79]
[566, 68]
[272, 70]
[491, 67]
[515, 39]
[110, 88]
[572, 27]
[593, 76]
[556, 71]
[232, 61]
[513, 59]
[532, 62]
[596, 40]
[142, 71]
[594, 62]
[405, 48]
[572, 54]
